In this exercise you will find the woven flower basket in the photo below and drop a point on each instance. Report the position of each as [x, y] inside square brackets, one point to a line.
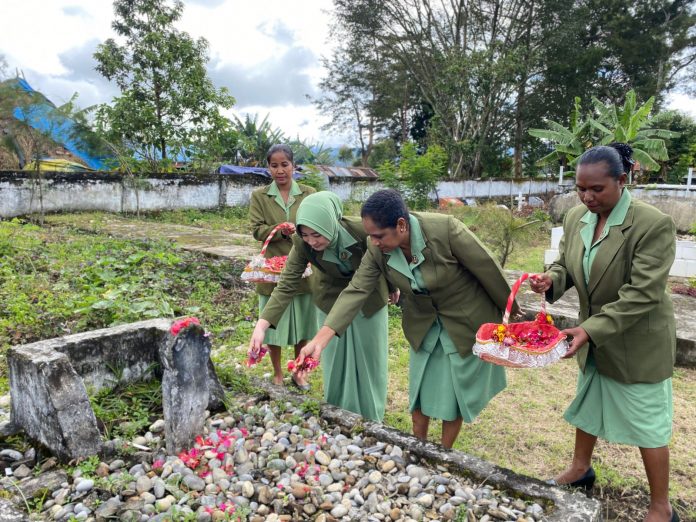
[530, 344]
[262, 270]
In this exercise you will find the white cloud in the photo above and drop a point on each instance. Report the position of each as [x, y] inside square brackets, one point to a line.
[266, 52]
[682, 102]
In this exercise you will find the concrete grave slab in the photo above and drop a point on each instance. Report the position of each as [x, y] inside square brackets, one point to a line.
[49, 380]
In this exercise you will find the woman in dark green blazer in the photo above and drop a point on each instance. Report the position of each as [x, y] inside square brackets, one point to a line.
[617, 253]
[355, 372]
[449, 285]
[271, 205]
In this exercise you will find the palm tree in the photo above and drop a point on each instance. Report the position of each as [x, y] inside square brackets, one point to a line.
[631, 124]
[255, 138]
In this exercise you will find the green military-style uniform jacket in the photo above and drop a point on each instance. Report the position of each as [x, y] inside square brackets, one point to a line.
[624, 307]
[328, 281]
[466, 286]
[264, 214]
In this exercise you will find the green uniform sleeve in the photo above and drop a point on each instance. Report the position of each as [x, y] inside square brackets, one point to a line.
[351, 300]
[561, 279]
[650, 267]
[259, 226]
[288, 285]
[471, 254]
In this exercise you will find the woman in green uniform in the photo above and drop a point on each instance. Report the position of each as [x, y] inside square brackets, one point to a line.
[617, 253]
[271, 205]
[355, 369]
[449, 285]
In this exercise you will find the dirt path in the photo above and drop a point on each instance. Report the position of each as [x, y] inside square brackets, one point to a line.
[213, 242]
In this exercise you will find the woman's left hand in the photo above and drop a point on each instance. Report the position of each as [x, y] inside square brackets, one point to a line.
[579, 336]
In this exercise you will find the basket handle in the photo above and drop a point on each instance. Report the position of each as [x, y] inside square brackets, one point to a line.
[513, 294]
[270, 236]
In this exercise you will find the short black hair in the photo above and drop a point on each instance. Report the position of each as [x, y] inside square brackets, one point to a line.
[280, 147]
[384, 208]
[618, 156]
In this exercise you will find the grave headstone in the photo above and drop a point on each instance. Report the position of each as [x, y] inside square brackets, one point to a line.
[185, 390]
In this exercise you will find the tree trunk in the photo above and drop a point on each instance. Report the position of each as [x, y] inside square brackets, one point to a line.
[521, 96]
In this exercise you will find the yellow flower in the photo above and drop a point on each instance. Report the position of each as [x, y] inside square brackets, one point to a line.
[549, 319]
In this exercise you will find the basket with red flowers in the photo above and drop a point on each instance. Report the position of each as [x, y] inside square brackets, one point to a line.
[529, 344]
[267, 270]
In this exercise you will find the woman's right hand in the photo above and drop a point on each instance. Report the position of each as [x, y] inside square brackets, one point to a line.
[540, 283]
[258, 335]
[314, 347]
[287, 228]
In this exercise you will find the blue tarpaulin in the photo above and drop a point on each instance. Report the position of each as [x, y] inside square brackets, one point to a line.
[61, 130]
[236, 169]
[259, 171]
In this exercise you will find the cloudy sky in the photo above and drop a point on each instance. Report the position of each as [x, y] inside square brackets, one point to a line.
[266, 52]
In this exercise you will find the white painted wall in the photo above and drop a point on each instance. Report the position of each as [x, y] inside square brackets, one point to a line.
[684, 263]
[113, 193]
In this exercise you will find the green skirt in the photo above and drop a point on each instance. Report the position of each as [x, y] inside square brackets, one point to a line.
[298, 322]
[636, 414]
[354, 366]
[444, 385]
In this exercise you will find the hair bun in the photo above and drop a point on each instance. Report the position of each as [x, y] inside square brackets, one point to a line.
[626, 153]
[624, 150]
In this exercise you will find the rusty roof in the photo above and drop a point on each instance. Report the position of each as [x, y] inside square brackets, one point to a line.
[347, 172]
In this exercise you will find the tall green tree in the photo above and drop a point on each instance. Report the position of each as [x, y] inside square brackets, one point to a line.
[167, 99]
[680, 149]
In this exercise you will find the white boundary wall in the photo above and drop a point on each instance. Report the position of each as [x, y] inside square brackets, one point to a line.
[69, 192]
[684, 262]
[112, 192]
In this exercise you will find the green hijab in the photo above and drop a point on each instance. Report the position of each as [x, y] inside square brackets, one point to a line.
[322, 212]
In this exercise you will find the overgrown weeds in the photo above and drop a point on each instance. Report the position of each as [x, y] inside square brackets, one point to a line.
[127, 411]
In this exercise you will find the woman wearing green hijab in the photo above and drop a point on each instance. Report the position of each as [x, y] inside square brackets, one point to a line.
[355, 366]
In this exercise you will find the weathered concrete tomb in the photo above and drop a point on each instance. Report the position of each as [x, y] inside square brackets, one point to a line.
[49, 382]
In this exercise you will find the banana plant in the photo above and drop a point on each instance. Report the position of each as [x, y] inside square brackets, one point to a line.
[631, 124]
[568, 142]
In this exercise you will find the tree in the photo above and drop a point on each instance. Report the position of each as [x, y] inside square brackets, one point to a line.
[681, 149]
[606, 124]
[348, 99]
[167, 99]
[568, 143]
[631, 124]
[345, 154]
[489, 70]
[415, 174]
[254, 139]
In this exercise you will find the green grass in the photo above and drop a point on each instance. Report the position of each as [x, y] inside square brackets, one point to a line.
[230, 219]
[127, 411]
[56, 281]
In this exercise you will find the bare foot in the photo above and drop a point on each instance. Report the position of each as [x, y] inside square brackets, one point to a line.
[278, 380]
